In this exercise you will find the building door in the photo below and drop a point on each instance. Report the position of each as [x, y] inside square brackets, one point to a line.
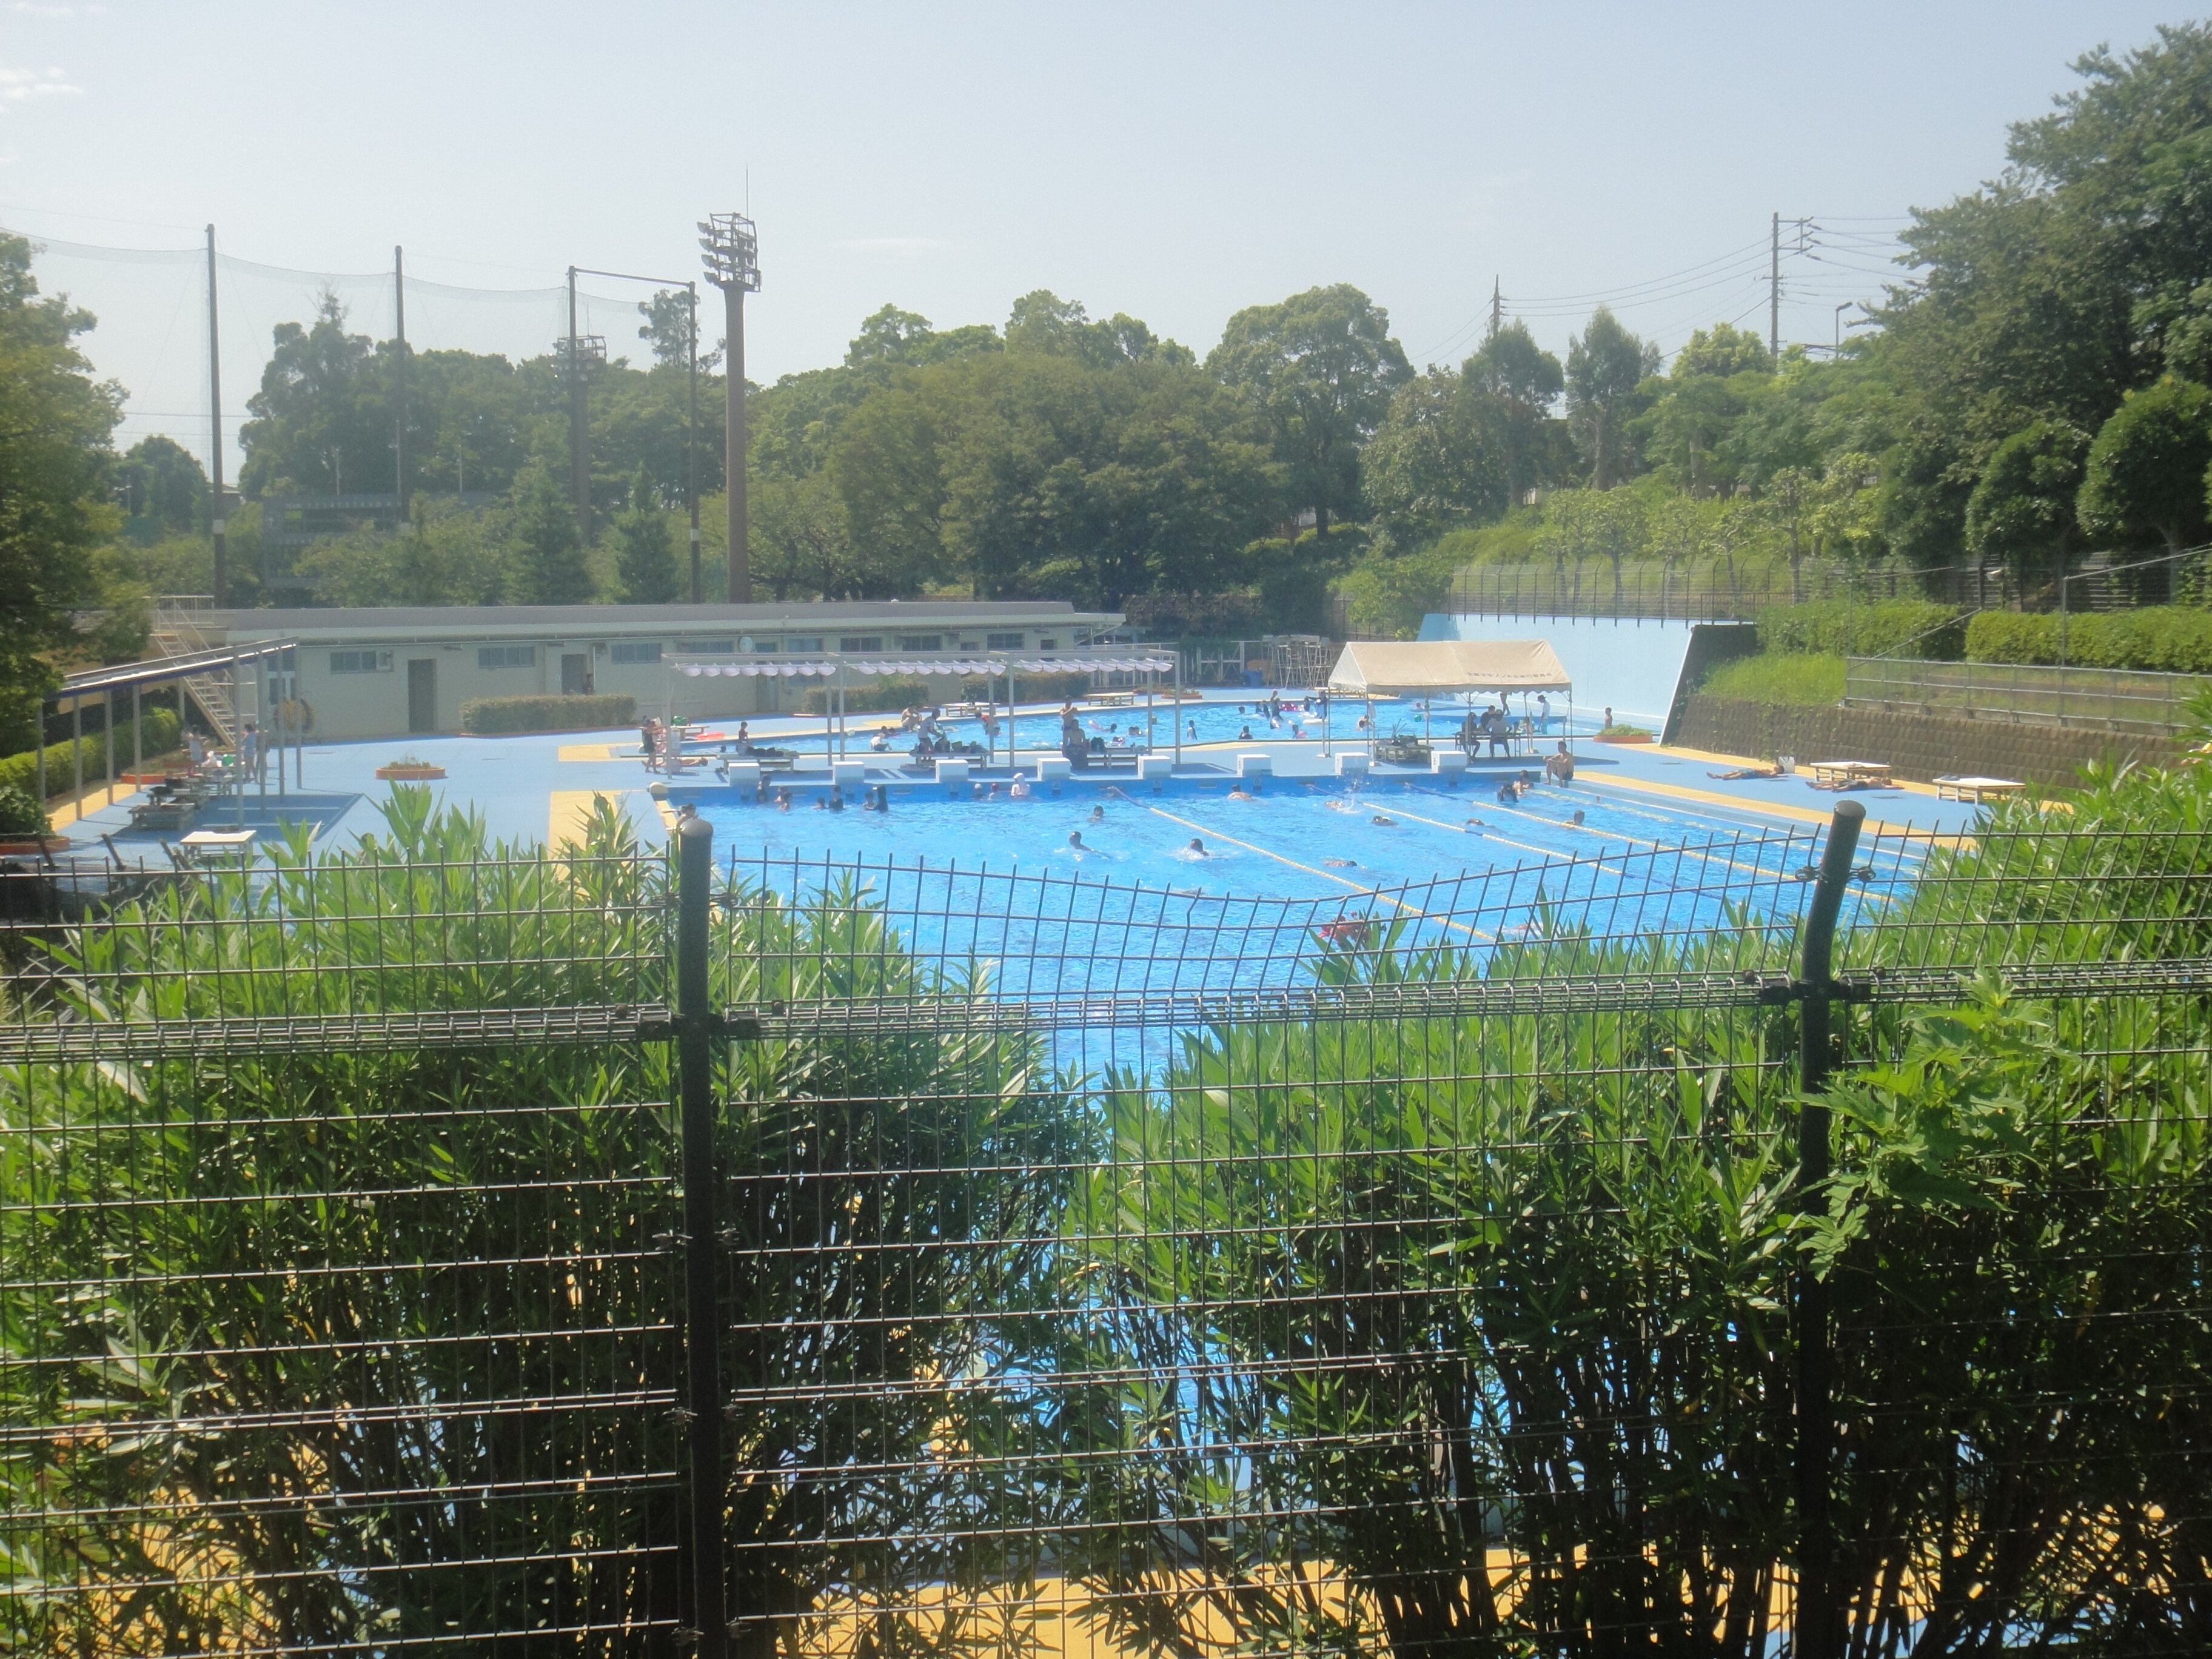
[574, 665]
[422, 695]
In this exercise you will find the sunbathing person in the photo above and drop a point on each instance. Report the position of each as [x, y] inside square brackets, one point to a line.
[1740, 772]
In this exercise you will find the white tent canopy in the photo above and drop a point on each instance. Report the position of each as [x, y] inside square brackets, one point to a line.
[1422, 668]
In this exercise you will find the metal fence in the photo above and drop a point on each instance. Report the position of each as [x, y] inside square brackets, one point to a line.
[1443, 1269]
[1690, 591]
[2100, 699]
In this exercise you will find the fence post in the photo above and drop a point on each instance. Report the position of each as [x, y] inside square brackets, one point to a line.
[1820, 1630]
[696, 1027]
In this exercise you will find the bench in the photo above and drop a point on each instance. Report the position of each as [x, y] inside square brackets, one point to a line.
[1977, 790]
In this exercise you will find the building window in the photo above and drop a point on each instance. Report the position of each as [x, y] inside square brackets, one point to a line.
[764, 645]
[921, 641]
[637, 650]
[707, 648]
[1004, 641]
[801, 644]
[1047, 645]
[361, 662]
[506, 656]
[861, 643]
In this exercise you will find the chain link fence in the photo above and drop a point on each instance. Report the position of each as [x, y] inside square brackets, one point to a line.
[1753, 1243]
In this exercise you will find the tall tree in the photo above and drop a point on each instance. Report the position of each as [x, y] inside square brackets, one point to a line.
[320, 424]
[2023, 507]
[1323, 366]
[1438, 460]
[667, 331]
[549, 558]
[162, 487]
[1521, 382]
[55, 424]
[644, 552]
[1605, 365]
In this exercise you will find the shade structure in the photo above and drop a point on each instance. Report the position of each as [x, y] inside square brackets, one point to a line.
[913, 668]
[1419, 668]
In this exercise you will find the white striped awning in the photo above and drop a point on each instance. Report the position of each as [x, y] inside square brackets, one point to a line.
[913, 668]
[1096, 665]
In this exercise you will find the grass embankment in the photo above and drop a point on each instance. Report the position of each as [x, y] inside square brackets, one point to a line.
[1805, 678]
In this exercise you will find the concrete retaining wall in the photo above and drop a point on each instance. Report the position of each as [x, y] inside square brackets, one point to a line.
[1918, 746]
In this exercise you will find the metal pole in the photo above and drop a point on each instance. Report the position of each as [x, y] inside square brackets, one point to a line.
[696, 1032]
[76, 751]
[107, 720]
[1819, 1633]
[237, 778]
[691, 440]
[137, 730]
[1178, 704]
[399, 431]
[214, 434]
[580, 480]
[734, 446]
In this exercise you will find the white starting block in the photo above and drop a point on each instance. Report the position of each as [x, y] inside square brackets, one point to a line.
[1054, 771]
[950, 771]
[851, 774]
[1351, 765]
[1255, 766]
[1150, 768]
[744, 774]
[1448, 763]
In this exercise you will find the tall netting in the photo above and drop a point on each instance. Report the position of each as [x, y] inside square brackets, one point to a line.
[1110, 1269]
[152, 334]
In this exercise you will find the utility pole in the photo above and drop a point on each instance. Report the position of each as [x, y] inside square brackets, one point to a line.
[214, 433]
[691, 439]
[1774, 293]
[1496, 309]
[731, 246]
[399, 367]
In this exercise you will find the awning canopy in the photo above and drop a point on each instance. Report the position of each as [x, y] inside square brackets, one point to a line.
[918, 668]
[1426, 667]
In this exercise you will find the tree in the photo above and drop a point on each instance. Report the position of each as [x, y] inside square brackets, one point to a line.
[1721, 352]
[548, 559]
[1323, 366]
[1043, 322]
[1519, 381]
[2144, 482]
[644, 552]
[1436, 461]
[162, 487]
[2023, 507]
[891, 338]
[801, 548]
[667, 329]
[1605, 365]
[55, 423]
[320, 421]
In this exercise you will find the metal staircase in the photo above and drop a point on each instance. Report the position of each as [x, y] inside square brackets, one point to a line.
[176, 633]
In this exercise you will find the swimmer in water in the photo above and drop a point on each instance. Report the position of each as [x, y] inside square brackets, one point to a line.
[1577, 817]
[1238, 792]
[1075, 840]
[1341, 864]
[1391, 824]
[1098, 815]
[1197, 847]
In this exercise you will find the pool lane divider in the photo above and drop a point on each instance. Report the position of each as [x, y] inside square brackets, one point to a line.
[1353, 886]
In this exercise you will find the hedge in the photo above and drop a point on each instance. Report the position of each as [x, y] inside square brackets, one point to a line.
[491, 716]
[2160, 638]
[1849, 628]
[160, 731]
[883, 696]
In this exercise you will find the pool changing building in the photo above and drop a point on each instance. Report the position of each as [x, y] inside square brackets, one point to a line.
[387, 673]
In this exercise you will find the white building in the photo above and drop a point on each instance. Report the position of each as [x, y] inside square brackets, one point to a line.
[380, 673]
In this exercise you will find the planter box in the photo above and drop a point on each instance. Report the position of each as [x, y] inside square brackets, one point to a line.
[1638, 737]
[397, 773]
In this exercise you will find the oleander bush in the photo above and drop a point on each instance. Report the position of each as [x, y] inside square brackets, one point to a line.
[1849, 628]
[160, 732]
[2160, 638]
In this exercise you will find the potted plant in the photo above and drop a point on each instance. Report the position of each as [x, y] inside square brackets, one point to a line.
[24, 825]
[408, 769]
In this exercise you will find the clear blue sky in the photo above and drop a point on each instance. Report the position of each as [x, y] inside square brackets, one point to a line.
[1174, 161]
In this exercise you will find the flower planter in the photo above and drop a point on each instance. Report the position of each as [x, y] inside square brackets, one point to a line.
[31, 846]
[1628, 737]
[401, 772]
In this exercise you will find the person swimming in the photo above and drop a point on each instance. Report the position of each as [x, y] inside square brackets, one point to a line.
[783, 800]
[1075, 840]
[1341, 864]
[1098, 815]
[1238, 792]
[1387, 823]
[1197, 848]
[1019, 788]
[1577, 817]
[1244, 736]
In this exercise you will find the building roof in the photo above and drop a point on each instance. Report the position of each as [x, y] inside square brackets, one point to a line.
[1418, 668]
[573, 621]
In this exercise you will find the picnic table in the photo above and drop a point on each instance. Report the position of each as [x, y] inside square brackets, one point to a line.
[1955, 787]
[1847, 774]
[209, 844]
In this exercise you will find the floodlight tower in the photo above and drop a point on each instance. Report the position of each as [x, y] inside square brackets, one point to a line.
[732, 260]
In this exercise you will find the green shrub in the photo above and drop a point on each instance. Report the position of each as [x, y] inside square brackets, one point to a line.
[1849, 628]
[21, 812]
[2160, 639]
[1803, 677]
[159, 732]
[490, 716]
